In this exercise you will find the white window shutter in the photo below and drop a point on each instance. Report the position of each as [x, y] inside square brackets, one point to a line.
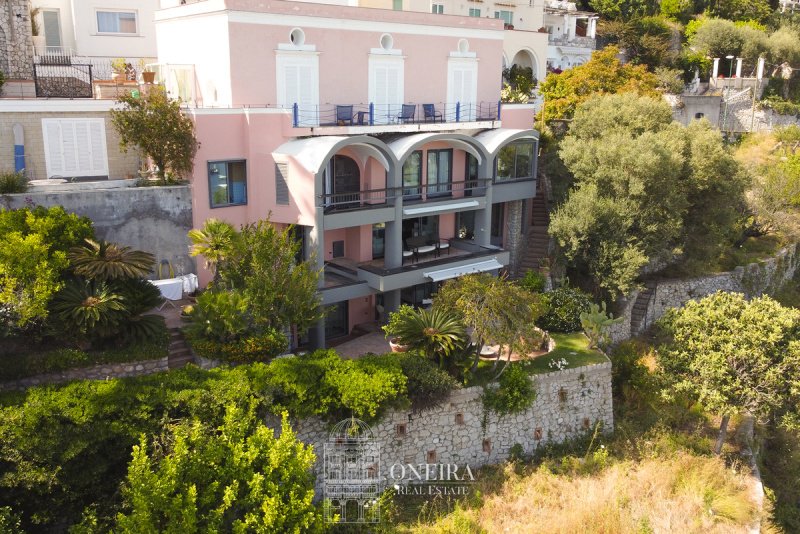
[386, 87]
[298, 83]
[75, 147]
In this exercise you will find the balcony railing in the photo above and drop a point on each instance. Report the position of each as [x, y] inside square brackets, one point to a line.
[369, 198]
[372, 114]
[375, 198]
[577, 41]
[63, 81]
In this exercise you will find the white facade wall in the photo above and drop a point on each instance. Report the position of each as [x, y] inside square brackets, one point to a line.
[79, 28]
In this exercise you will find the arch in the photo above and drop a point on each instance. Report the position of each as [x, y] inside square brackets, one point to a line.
[527, 58]
[315, 152]
[494, 140]
[404, 146]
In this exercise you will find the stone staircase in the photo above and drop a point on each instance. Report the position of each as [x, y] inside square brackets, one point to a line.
[639, 312]
[538, 239]
[179, 352]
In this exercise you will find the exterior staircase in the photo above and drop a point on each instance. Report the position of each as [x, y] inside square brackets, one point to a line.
[538, 239]
[639, 312]
[179, 352]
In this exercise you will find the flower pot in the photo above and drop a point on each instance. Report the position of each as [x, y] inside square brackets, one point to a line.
[396, 346]
[148, 77]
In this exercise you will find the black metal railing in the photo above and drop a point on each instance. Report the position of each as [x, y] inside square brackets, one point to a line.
[386, 114]
[374, 198]
[369, 198]
[63, 81]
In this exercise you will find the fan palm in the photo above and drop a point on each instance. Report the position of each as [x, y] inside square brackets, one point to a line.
[436, 333]
[215, 242]
[103, 261]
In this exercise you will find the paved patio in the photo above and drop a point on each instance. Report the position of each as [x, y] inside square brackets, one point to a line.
[373, 342]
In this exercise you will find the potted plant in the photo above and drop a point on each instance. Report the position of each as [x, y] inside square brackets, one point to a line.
[118, 67]
[148, 76]
[397, 319]
[39, 43]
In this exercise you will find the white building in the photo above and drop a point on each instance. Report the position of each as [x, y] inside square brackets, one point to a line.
[97, 28]
[540, 34]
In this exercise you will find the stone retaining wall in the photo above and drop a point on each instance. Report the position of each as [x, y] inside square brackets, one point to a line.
[458, 431]
[96, 372]
[753, 280]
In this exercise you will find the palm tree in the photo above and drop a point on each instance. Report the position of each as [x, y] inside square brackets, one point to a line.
[88, 310]
[103, 261]
[436, 333]
[215, 242]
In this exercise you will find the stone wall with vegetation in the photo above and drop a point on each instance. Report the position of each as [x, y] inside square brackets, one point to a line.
[95, 372]
[153, 219]
[755, 279]
[569, 403]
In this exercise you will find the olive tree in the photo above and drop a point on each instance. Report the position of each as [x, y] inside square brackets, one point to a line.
[735, 356]
[155, 124]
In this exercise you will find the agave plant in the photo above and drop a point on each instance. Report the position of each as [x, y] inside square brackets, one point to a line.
[103, 261]
[436, 333]
[215, 242]
[88, 310]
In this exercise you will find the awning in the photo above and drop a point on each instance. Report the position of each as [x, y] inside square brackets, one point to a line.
[453, 272]
[428, 210]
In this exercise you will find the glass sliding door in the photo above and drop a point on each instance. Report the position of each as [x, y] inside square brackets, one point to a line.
[440, 172]
[412, 176]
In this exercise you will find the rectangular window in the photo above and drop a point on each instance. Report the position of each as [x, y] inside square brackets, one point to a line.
[336, 320]
[440, 172]
[397, 5]
[437, 8]
[227, 183]
[474, 12]
[515, 162]
[52, 31]
[75, 147]
[123, 22]
[412, 175]
[507, 16]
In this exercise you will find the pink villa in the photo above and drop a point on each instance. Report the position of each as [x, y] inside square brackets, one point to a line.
[378, 133]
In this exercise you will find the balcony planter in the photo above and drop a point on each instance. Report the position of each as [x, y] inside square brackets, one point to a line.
[148, 77]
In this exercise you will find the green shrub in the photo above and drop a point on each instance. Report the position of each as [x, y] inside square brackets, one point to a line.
[564, 308]
[253, 348]
[2, 81]
[321, 383]
[237, 478]
[13, 182]
[780, 106]
[427, 384]
[219, 317]
[513, 392]
[533, 281]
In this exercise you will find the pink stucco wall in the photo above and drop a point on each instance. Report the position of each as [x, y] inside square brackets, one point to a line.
[518, 116]
[237, 66]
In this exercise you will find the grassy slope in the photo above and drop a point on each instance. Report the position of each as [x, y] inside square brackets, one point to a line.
[654, 474]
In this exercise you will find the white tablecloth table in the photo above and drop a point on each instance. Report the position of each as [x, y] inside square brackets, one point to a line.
[171, 288]
[174, 288]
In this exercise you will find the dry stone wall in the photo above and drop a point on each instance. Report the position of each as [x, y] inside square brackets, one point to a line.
[568, 404]
[753, 280]
[96, 372]
[16, 44]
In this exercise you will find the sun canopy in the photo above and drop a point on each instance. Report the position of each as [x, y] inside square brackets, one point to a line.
[453, 272]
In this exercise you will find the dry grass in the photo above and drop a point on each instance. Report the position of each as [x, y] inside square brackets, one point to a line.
[686, 493]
